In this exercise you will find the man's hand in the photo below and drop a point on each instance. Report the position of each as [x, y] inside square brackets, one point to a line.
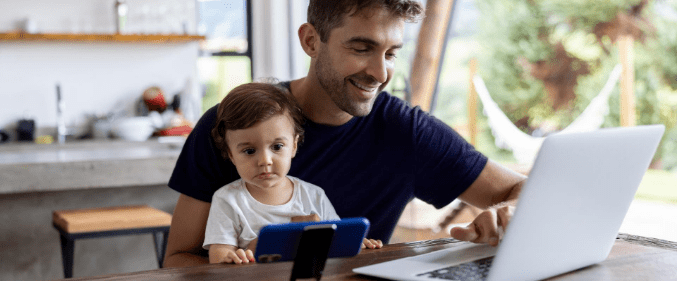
[372, 243]
[488, 226]
[496, 190]
[219, 253]
[311, 217]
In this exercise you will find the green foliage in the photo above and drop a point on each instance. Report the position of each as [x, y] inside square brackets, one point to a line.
[513, 32]
[665, 42]
[212, 95]
[584, 14]
[219, 77]
[510, 31]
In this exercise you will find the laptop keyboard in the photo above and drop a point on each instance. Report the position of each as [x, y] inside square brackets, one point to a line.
[474, 270]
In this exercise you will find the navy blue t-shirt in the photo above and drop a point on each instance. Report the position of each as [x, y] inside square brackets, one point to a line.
[370, 167]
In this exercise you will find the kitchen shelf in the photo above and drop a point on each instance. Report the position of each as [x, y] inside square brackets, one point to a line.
[121, 38]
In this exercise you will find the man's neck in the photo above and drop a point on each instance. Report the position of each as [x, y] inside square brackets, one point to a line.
[316, 103]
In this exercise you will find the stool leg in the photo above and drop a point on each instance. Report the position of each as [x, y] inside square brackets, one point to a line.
[67, 248]
[160, 239]
[165, 235]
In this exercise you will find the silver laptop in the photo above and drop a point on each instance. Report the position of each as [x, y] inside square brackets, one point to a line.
[568, 214]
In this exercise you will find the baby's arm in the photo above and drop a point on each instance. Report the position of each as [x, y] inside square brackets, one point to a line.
[372, 243]
[220, 253]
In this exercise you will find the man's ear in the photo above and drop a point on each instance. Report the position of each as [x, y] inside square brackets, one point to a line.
[310, 39]
[296, 145]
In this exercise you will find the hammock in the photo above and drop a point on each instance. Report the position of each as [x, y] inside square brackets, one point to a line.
[525, 147]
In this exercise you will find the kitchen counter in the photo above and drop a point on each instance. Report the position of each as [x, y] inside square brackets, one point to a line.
[29, 167]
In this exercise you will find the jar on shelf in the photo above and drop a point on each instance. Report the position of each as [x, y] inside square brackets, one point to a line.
[121, 10]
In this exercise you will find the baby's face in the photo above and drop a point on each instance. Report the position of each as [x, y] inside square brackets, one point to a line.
[262, 153]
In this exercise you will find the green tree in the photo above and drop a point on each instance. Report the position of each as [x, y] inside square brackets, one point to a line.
[547, 59]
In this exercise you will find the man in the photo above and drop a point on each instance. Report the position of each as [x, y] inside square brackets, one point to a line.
[368, 150]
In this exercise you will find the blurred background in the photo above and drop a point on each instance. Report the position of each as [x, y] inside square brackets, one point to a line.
[87, 73]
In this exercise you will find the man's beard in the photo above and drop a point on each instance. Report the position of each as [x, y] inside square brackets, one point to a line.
[337, 88]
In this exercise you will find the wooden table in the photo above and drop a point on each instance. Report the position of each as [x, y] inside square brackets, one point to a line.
[632, 258]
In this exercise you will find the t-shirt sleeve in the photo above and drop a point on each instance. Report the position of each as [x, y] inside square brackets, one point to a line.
[200, 170]
[446, 164]
[222, 225]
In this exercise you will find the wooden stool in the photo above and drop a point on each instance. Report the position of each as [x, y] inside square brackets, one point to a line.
[112, 221]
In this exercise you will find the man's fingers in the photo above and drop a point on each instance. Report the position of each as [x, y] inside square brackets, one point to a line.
[467, 233]
[482, 230]
[488, 228]
[504, 216]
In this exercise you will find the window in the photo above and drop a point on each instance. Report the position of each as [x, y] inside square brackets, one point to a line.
[226, 55]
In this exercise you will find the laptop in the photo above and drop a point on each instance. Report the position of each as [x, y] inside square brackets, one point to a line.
[567, 217]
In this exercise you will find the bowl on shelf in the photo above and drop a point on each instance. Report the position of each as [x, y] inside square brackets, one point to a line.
[133, 128]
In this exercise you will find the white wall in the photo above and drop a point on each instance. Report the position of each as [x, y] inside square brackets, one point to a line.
[94, 77]
[277, 52]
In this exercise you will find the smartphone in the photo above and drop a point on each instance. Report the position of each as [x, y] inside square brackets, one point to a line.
[312, 251]
[279, 242]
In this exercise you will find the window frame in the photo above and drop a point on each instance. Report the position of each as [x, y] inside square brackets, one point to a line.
[248, 53]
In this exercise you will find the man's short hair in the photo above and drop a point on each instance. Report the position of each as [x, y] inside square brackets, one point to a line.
[325, 15]
[251, 103]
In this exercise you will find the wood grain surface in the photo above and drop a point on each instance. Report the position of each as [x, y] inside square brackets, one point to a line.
[632, 258]
[112, 218]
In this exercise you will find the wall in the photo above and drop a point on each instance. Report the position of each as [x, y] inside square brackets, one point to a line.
[97, 77]
[277, 51]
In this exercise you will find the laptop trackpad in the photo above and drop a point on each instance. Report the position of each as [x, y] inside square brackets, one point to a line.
[457, 255]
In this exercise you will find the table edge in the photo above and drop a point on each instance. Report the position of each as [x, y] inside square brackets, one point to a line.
[648, 241]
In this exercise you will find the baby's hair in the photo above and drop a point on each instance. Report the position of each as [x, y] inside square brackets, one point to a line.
[251, 103]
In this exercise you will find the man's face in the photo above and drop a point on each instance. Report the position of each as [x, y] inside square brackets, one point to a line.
[358, 59]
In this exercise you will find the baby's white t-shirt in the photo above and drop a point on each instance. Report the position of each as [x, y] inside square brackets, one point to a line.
[235, 217]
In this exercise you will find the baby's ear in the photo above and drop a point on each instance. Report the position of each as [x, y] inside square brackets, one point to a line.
[296, 145]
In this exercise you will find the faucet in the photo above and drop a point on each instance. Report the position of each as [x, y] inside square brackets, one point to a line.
[60, 122]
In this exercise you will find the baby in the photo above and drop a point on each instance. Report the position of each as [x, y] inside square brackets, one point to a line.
[258, 128]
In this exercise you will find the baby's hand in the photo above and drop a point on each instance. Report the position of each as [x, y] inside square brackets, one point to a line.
[240, 256]
[311, 217]
[372, 244]
[229, 254]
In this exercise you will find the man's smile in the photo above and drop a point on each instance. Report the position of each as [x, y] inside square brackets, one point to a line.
[363, 87]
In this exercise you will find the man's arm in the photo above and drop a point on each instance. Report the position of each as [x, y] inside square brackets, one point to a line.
[187, 233]
[496, 190]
